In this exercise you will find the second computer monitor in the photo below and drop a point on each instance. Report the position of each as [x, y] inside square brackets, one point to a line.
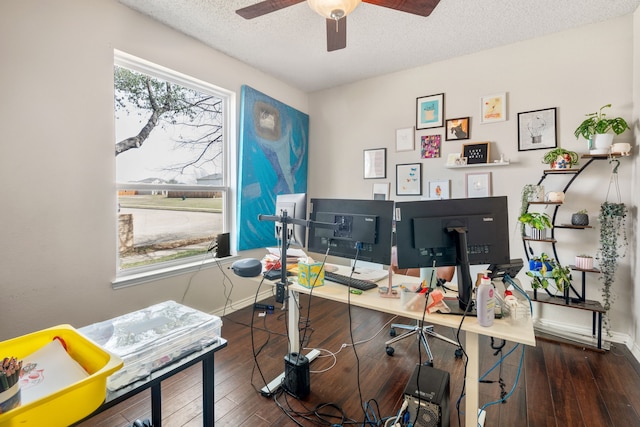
[431, 233]
[353, 229]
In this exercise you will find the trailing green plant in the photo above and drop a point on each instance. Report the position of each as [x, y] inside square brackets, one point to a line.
[569, 156]
[613, 244]
[599, 123]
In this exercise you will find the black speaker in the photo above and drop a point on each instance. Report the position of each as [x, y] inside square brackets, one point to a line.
[296, 375]
[223, 246]
[427, 396]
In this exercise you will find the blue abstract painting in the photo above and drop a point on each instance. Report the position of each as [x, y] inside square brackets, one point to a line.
[272, 160]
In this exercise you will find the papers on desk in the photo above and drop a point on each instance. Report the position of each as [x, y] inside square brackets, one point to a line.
[370, 274]
[291, 252]
[47, 371]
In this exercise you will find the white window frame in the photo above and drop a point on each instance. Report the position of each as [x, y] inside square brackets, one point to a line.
[137, 275]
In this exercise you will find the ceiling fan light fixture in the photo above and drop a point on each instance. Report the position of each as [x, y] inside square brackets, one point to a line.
[333, 9]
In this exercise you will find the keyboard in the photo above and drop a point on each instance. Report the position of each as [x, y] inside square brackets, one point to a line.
[363, 285]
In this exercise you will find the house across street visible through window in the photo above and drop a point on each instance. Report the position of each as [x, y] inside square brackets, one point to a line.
[171, 151]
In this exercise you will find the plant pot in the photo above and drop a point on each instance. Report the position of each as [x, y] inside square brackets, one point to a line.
[584, 263]
[601, 143]
[536, 234]
[580, 219]
[561, 162]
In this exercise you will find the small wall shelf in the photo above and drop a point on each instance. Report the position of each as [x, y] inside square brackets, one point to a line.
[477, 165]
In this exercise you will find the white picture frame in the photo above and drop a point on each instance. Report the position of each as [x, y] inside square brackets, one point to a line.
[405, 139]
[493, 108]
[381, 191]
[478, 184]
[440, 189]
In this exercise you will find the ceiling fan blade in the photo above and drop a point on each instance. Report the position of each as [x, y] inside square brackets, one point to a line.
[265, 7]
[416, 7]
[336, 34]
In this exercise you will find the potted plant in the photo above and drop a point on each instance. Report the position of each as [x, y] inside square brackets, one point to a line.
[580, 218]
[613, 239]
[538, 223]
[560, 158]
[551, 269]
[584, 262]
[597, 128]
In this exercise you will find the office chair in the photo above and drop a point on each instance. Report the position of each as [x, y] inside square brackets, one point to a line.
[420, 331]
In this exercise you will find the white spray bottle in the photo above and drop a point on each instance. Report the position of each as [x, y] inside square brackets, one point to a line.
[486, 301]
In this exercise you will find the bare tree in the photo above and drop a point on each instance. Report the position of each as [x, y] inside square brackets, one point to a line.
[161, 103]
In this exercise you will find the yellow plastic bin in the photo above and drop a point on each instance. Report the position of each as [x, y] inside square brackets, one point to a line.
[69, 404]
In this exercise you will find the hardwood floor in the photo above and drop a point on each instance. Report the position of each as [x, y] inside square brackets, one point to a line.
[559, 384]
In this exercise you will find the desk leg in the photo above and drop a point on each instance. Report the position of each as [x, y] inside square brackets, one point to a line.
[294, 321]
[473, 368]
[156, 405]
[208, 399]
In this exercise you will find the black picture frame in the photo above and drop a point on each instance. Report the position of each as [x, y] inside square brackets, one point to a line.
[430, 111]
[477, 152]
[537, 130]
[409, 179]
[375, 163]
[457, 129]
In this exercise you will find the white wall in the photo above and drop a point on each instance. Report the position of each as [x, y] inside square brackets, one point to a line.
[559, 71]
[58, 216]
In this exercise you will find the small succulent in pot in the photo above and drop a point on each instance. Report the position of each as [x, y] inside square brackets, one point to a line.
[580, 218]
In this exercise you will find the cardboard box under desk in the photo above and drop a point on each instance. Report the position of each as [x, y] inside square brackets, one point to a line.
[310, 275]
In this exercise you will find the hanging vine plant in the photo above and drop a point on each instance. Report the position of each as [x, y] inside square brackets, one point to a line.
[613, 244]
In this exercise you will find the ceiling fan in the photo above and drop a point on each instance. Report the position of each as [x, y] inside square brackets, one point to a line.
[336, 11]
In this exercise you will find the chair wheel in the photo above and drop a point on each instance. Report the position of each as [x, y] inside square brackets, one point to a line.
[390, 350]
[392, 332]
[458, 353]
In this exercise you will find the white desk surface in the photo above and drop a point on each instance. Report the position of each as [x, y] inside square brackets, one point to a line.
[501, 328]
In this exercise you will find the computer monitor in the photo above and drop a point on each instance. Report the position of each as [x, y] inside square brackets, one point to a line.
[296, 207]
[364, 223]
[453, 232]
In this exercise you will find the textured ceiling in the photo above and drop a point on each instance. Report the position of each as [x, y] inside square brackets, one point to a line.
[290, 44]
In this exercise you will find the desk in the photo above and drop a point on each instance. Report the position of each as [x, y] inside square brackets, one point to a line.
[206, 356]
[501, 328]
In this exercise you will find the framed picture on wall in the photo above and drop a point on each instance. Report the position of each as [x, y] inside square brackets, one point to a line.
[478, 184]
[409, 179]
[439, 189]
[381, 191]
[430, 111]
[537, 130]
[405, 139]
[493, 108]
[375, 163]
[478, 152]
[457, 129]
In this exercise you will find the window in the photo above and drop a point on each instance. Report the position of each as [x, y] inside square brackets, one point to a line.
[172, 169]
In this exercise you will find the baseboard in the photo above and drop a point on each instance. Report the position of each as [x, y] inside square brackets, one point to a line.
[583, 335]
[245, 302]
